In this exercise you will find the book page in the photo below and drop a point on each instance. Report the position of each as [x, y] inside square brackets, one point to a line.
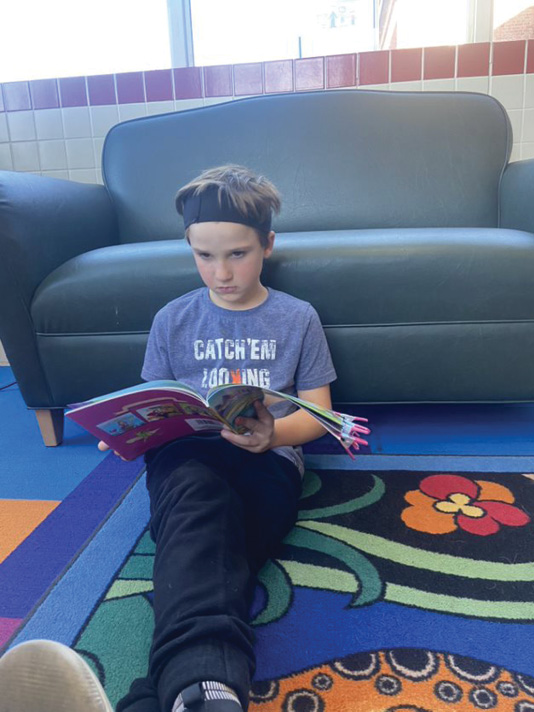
[235, 400]
[142, 419]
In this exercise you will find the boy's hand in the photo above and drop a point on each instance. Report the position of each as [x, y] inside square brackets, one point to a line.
[261, 430]
[102, 446]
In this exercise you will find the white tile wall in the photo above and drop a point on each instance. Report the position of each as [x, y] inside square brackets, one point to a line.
[87, 175]
[407, 86]
[25, 156]
[80, 153]
[103, 118]
[49, 124]
[528, 126]
[509, 90]
[212, 100]
[6, 159]
[186, 104]
[476, 84]
[160, 107]
[439, 85]
[516, 119]
[529, 91]
[53, 155]
[376, 87]
[527, 151]
[4, 133]
[131, 111]
[21, 126]
[76, 122]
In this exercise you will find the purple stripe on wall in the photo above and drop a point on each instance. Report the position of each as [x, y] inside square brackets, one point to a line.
[17, 96]
[374, 67]
[73, 92]
[406, 65]
[341, 71]
[218, 81]
[158, 85]
[278, 76]
[248, 79]
[44, 94]
[130, 88]
[101, 90]
[188, 83]
[530, 56]
[307, 74]
[509, 57]
[473, 59]
[439, 62]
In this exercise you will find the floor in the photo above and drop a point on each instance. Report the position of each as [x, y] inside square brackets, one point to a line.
[31, 471]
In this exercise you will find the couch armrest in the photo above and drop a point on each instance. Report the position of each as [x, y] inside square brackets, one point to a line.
[43, 223]
[516, 203]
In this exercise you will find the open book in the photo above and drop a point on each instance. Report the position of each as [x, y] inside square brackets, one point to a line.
[136, 419]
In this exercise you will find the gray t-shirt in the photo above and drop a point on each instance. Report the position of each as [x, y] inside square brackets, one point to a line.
[279, 344]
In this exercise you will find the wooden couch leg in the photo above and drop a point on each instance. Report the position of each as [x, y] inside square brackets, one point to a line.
[51, 426]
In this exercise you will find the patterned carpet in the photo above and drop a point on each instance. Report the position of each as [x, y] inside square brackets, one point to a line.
[397, 590]
[407, 583]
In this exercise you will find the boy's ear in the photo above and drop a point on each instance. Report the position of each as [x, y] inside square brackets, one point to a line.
[270, 244]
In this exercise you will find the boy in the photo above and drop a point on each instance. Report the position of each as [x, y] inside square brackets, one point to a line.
[220, 504]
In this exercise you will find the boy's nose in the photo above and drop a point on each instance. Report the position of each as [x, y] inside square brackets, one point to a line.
[223, 273]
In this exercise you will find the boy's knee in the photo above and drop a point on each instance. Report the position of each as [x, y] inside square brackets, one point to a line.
[192, 480]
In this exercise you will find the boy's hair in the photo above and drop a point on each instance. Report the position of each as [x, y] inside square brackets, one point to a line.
[253, 196]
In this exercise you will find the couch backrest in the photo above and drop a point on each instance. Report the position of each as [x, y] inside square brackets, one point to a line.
[343, 159]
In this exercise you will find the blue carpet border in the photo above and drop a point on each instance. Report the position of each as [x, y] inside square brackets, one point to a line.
[55, 613]
[27, 574]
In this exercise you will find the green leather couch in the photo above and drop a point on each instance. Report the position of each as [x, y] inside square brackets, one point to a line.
[403, 222]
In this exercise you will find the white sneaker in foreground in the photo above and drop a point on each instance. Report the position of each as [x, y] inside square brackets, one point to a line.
[45, 676]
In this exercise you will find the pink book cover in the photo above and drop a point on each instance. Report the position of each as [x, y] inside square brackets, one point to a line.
[138, 420]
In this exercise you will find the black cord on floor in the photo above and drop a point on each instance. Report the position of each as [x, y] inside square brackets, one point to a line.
[3, 388]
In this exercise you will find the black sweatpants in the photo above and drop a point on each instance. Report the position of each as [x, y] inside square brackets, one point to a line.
[217, 513]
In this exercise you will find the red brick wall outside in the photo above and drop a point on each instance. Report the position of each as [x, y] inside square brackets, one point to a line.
[520, 27]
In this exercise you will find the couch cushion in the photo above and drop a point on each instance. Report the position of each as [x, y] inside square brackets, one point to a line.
[367, 277]
[410, 315]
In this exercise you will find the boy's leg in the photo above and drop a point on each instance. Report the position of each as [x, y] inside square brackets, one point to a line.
[216, 513]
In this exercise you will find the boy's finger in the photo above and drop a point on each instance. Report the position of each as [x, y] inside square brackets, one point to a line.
[254, 424]
[102, 446]
[262, 411]
[246, 441]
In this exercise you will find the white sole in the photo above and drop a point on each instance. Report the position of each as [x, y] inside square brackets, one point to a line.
[45, 676]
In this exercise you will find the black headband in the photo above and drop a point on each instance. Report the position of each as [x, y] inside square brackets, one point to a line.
[212, 206]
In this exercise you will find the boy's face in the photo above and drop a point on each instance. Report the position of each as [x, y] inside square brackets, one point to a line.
[229, 258]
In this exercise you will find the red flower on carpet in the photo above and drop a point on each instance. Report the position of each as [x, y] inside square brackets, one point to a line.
[444, 503]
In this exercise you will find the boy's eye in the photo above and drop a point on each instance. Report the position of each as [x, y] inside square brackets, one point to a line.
[238, 253]
[203, 255]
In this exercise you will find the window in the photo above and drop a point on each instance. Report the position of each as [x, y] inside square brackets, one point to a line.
[60, 38]
[423, 23]
[234, 31]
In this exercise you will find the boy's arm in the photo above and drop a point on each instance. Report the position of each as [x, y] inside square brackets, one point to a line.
[301, 427]
[295, 429]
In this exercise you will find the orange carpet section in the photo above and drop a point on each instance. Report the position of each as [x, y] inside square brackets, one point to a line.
[18, 519]
[383, 688]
